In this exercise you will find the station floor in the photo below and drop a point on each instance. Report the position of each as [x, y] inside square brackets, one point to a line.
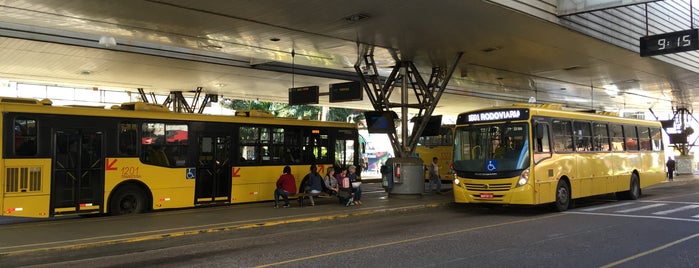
[30, 235]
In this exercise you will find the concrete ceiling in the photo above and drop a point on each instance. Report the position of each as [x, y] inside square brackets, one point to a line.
[242, 49]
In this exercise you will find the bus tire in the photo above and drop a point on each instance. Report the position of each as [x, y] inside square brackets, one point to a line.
[562, 196]
[127, 200]
[634, 191]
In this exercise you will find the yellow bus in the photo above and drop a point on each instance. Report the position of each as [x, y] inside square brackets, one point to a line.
[138, 157]
[440, 146]
[528, 155]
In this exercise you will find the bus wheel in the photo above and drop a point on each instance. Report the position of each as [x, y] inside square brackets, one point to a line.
[128, 200]
[562, 196]
[634, 191]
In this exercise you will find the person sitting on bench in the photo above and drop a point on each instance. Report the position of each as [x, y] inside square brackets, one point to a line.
[315, 182]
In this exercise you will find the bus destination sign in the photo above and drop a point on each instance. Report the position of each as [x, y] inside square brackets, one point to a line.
[496, 115]
[667, 43]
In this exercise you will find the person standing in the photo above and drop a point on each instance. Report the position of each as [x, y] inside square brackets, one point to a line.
[435, 177]
[670, 168]
[286, 185]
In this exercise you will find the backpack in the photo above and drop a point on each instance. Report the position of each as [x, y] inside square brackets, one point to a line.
[306, 184]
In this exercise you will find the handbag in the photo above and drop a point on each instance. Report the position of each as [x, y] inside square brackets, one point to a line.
[343, 194]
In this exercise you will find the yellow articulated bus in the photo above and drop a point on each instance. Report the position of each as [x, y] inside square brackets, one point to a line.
[138, 157]
[440, 146]
[530, 155]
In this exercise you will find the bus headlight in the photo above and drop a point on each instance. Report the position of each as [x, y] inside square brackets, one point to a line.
[456, 181]
[523, 178]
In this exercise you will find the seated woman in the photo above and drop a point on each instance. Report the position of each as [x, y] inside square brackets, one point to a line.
[330, 182]
[355, 183]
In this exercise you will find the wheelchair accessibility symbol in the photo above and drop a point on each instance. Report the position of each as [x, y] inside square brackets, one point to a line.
[492, 165]
[191, 173]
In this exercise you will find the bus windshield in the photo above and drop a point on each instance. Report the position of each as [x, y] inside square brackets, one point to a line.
[491, 150]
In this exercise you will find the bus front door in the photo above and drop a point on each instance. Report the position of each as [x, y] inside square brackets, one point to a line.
[78, 169]
[213, 182]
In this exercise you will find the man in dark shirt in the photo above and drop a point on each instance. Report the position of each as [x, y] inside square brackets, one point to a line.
[670, 168]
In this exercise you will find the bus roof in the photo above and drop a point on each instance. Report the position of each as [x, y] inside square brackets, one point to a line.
[526, 111]
[155, 111]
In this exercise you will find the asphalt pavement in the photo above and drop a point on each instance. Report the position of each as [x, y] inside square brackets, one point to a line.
[31, 235]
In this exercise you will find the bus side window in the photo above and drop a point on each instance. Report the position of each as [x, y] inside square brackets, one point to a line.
[25, 137]
[583, 136]
[542, 144]
[631, 138]
[562, 136]
[128, 138]
[600, 137]
[656, 139]
[617, 135]
[644, 138]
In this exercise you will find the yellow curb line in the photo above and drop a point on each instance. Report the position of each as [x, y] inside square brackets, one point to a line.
[217, 229]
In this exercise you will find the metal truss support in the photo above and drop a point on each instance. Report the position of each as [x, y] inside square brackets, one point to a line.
[681, 118]
[144, 97]
[404, 76]
[207, 99]
[178, 102]
[142, 93]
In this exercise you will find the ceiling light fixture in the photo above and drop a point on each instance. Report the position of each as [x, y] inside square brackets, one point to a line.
[356, 17]
[107, 41]
[490, 49]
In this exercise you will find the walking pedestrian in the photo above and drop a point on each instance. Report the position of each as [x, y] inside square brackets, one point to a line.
[435, 177]
[670, 168]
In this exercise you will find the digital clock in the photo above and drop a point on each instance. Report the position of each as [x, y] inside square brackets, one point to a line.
[667, 43]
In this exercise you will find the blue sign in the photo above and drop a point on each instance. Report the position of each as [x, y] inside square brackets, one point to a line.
[492, 165]
[191, 173]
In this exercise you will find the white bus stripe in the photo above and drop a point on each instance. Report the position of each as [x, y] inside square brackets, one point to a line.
[609, 206]
[665, 212]
[639, 208]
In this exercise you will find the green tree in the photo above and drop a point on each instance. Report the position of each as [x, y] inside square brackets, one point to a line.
[296, 111]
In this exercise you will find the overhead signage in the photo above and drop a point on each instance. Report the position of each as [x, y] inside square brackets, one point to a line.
[494, 115]
[350, 91]
[303, 95]
[668, 43]
[381, 121]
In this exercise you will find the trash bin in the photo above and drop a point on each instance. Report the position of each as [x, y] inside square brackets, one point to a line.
[387, 177]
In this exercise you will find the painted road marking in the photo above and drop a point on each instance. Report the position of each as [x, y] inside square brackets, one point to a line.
[409, 240]
[650, 251]
[640, 208]
[606, 207]
[665, 212]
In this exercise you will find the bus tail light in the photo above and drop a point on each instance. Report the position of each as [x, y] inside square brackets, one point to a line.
[523, 178]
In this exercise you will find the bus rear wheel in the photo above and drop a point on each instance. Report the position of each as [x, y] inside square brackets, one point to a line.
[562, 196]
[128, 200]
[634, 191]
